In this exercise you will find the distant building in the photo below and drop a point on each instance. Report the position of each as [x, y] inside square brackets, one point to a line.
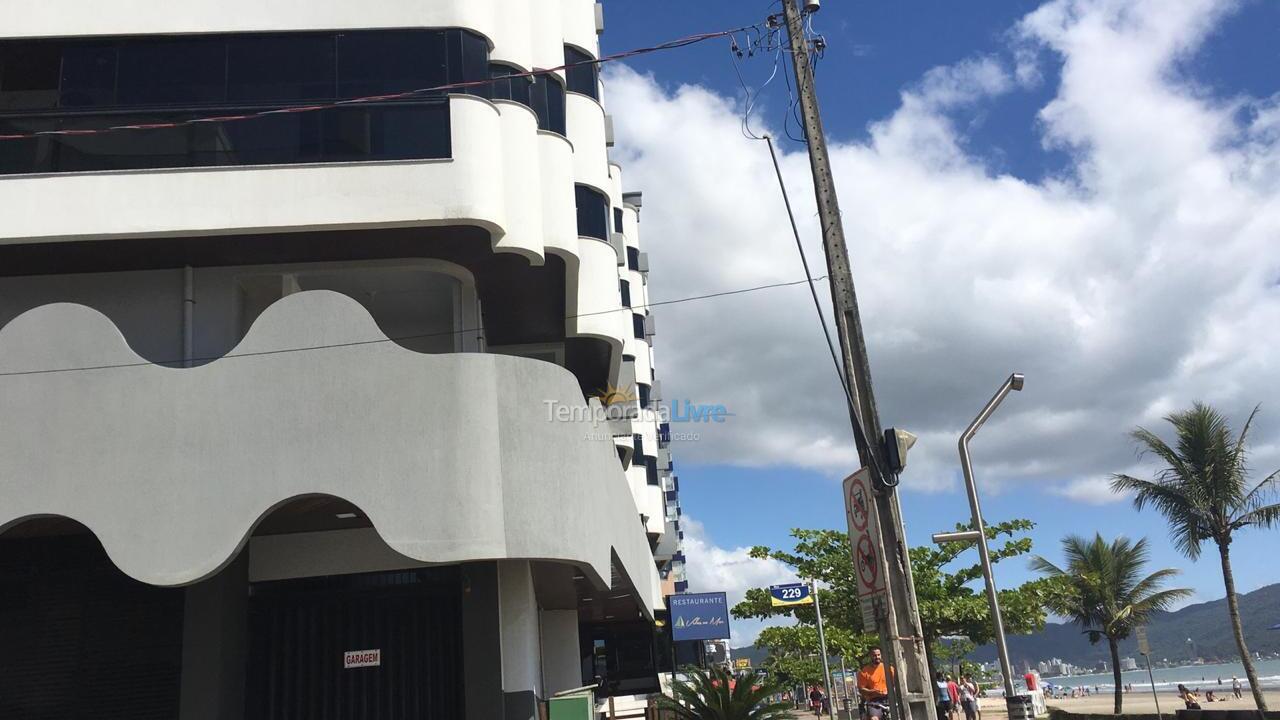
[1128, 663]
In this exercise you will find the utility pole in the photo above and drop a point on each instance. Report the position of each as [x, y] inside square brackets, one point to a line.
[901, 637]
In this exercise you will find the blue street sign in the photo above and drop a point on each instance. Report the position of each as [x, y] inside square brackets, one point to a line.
[790, 595]
[699, 616]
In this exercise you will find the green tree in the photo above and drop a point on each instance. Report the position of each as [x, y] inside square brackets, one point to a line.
[948, 605]
[1105, 593]
[717, 695]
[1203, 491]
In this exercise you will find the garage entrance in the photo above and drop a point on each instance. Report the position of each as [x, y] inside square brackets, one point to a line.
[384, 646]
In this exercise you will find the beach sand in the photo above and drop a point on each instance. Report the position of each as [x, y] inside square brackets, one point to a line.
[1134, 702]
[993, 708]
[1142, 702]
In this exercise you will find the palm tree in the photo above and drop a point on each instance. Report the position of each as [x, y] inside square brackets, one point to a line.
[1204, 494]
[717, 695]
[1102, 590]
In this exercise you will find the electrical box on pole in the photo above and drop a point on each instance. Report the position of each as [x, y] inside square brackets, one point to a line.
[896, 616]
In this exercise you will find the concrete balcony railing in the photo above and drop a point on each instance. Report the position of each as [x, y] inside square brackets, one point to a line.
[451, 457]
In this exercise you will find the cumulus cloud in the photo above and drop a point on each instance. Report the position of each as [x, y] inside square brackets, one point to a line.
[732, 571]
[1139, 279]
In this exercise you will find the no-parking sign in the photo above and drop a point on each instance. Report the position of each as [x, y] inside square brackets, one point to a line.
[868, 565]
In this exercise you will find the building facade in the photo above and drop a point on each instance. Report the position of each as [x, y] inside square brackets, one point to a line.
[318, 408]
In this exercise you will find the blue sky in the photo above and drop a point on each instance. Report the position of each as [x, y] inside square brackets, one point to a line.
[1118, 313]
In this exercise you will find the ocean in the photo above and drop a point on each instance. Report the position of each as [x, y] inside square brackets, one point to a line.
[1204, 677]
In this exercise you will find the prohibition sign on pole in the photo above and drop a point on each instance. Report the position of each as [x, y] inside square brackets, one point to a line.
[858, 504]
[868, 566]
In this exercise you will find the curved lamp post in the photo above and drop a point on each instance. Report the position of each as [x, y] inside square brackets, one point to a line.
[979, 534]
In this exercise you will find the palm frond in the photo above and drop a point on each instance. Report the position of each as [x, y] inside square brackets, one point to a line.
[1187, 522]
[1264, 516]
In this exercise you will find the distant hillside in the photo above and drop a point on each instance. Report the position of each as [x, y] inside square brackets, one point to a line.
[1206, 624]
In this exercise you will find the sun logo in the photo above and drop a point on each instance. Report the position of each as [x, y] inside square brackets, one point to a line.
[611, 395]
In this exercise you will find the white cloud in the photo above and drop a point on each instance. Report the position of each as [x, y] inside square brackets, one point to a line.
[1142, 278]
[732, 571]
[1093, 490]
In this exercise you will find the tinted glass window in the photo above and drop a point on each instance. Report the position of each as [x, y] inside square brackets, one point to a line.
[625, 288]
[29, 75]
[280, 67]
[582, 74]
[171, 71]
[638, 442]
[519, 89]
[390, 133]
[617, 220]
[548, 103]
[593, 213]
[89, 74]
[633, 259]
[383, 62]
[637, 326]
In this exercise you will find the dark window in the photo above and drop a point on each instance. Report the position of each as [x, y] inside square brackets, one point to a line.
[548, 103]
[518, 89]
[617, 220]
[637, 326]
[593, 212]
[89, 74]
[651, 470]
[638, 441]
[29, 75]
[390, 61]
[625, 288]
[163, 79]
[172, 71]
[281, 67]
[468, 56]
[582, 74]
[633, 259]
[645, 393]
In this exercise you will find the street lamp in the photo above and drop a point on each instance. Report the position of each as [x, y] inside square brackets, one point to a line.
[979, 535]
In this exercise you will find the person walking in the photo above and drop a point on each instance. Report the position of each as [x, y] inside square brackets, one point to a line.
[873, 688]
[1236, 688]
[953, 692]
[942, 695]
[968, 697]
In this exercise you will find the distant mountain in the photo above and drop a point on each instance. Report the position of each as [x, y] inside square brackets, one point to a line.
[1206, 624]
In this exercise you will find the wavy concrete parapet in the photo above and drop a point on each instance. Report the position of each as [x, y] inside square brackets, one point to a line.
[453, 457]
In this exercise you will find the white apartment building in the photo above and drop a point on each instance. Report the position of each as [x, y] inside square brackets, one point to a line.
[281, 376]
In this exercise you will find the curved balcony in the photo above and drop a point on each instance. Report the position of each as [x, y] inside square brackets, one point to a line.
[518, 35]
[453, 457]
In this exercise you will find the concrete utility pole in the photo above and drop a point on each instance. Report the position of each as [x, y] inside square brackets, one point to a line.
[901, 638]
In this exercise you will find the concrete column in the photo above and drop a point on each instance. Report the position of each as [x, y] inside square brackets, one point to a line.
[561, 656]
[215, 638]
[481, 642]
[521, 645]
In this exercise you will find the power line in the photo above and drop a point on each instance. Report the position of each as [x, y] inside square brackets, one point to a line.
[407, 94]
[804, 260]
[397, 339]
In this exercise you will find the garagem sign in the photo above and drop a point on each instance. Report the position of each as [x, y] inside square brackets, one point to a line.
[361, 658]
[699, 616]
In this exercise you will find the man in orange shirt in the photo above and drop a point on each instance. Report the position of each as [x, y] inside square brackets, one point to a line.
[873, 687]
